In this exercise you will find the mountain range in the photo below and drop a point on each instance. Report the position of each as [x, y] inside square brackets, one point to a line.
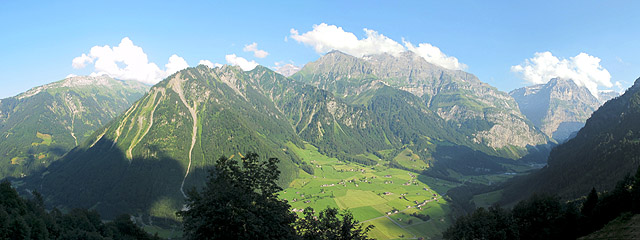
[144, 160]
[560, 107]
[603, 152]
[487, 116]
[108, 152]
[40, 125]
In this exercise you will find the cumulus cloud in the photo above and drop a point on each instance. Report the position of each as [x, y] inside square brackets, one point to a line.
[433, 55]
[324, 38]
[81, 61]
[256, 52]
[175, 64]
[128, 62]
[584, 69]
[209, 64]
[618, 85]
[245, 64]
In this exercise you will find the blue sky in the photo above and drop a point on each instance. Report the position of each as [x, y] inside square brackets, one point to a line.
[40, 39]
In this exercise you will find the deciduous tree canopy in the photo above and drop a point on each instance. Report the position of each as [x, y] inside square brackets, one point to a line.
[241, 202]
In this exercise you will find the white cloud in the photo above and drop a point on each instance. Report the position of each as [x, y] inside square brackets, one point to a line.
[584, 69]
[80, 62]
[128, 62]
[256, 52]
[206, 63]
[324, 38]
[433, 55]
[240, 61]
[175, 64]
[209, 64]
[618, 84]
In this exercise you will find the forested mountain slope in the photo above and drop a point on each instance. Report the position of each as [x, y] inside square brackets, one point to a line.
[483, 113]
[605, 150]
[40, 125]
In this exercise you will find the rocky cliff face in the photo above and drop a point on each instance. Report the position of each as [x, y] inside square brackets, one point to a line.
[456, 96]
[603, 152]
[559, 107]
[604, 96]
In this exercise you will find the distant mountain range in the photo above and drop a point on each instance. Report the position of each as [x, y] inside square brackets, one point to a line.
[486, 115]
[368, 110]
[287, 70]
[39, 126]
[145, 159]
[560, 107]
[603, 152]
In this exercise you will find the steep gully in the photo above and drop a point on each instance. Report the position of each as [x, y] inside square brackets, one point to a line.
[177, 87]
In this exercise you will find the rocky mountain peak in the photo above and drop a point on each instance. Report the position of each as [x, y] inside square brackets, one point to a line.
[288, 69]
[454, 95]
[84, 81]
[559, 107]
[606, 95]
[75, 81]
[41, 125]
[567, 89]
[601, 154]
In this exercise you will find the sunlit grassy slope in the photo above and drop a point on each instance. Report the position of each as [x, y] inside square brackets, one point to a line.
[377, 195]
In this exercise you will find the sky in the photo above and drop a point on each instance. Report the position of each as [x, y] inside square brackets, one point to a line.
[508, 44]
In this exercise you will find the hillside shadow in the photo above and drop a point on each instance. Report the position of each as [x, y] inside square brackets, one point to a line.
[56, 150]
[537, 155]
[566, 129]
[101, 178]
[463, 160]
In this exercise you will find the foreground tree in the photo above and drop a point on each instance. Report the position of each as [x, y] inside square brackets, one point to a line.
[590, 203]
[239, 203]
[494, 223]
[329, 226]
[27, 219]
[547, 217]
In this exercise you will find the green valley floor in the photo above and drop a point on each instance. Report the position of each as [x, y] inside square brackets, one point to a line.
[395, 201]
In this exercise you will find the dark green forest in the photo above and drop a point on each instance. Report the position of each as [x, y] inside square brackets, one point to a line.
[603, 151]
[545, 216]
[241, 202]
[238, 202]
[22, 218]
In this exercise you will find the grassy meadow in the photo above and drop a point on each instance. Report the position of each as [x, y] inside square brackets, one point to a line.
[387, 198]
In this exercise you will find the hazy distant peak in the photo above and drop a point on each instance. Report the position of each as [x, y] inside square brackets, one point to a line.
[76, 81]
[287, 69]
[606, 95]
[336, 52]
[558, 107]
[558, 80]
[83, 81]
[602, 97]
